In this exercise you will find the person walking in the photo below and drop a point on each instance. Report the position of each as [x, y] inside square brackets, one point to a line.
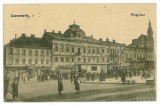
[77, 84]
[60, 85]
[15, 89]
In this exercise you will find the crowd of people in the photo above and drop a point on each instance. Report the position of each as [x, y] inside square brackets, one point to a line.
[123, 73]
[14, 86]
[75, 78]
[42, 77]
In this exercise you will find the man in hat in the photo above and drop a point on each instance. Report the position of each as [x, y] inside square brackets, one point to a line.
[143, 74]
[77, 84]
[130, 73]
[124, 77]
[102, 75]
[15, 89]
[60, 85]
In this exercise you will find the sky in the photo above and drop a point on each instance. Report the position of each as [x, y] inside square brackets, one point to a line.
[100, 20]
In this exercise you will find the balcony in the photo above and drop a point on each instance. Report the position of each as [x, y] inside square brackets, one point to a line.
[113, 55]
[78, 53]
[128, 59]
[142, 59]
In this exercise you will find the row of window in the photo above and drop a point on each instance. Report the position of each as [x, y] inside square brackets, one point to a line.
[30, 52]
[68, 49]
[138, 56]
[84, 50]
[30, 61]
[84, 60]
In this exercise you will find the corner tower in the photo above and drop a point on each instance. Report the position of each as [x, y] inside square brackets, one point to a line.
[150, 40]
[150, 32]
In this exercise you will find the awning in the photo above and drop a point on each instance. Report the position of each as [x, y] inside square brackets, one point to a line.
[26, 68]
[66, 67]
[16, 68]
[42, 68]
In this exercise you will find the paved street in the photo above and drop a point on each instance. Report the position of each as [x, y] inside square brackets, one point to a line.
[137, 79]
[34, 91]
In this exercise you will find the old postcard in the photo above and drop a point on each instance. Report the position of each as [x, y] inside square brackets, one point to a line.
[79, 52]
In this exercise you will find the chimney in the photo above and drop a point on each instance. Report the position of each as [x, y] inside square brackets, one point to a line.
[100, 39]
[44, 30]
[53, 31]
[124, 44]
[107, 40]
[15, 36]
[23, 34]
[114, 41]
[59, 32]
[91, 36]
[32, 35]
[10, 41]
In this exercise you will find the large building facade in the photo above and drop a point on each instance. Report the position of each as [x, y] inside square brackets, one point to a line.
[73, 49]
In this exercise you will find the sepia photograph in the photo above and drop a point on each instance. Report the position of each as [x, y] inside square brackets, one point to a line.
[79, 52]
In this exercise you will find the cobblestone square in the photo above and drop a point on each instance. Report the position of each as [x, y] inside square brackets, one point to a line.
[47, 91]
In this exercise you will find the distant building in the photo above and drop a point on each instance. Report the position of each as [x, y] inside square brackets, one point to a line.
[74, 49]
[140, 53]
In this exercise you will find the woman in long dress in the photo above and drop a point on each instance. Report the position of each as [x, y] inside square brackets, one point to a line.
[60, 85]
[77, 84]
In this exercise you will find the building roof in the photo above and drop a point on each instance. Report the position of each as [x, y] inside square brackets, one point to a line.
[26, 41]
[138, 40]
[134, 48]
[49, 36]
[74, 31]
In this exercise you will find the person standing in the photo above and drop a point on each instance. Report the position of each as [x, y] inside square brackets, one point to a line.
[88, 76]
[102, 76]
[149, 73]
[143, 74]
[130, 73]
[15, 89]
[138, 72]
[71, 76]
[116, 74]
[93, 76]
[77, 84]
[124, 77]
[60, 85]
[121, 73]
[6, 84]
[39, 78]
